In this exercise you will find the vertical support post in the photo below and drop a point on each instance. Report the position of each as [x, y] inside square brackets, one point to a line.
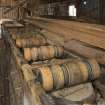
[78, 7]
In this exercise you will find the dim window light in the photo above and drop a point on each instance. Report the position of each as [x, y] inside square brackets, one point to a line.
[72, 11]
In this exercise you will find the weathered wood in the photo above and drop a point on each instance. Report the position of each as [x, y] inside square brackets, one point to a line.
[89, 37]
[16, 6]
[85, 51]
[26, 70]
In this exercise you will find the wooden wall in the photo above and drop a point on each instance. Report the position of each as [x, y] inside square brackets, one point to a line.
[93, 11]
[6, 4]
[90, 10]
[59, 8]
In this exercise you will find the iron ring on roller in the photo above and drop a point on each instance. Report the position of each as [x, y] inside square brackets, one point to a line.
[95, 68]
[54, 73]
[90, 72]
[54, 77]
[69, 75]
[55, 49]
[40, 55]
[46, 78]
[60, 51]
[65, 72]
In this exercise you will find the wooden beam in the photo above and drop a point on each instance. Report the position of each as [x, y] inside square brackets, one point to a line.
[16, 6]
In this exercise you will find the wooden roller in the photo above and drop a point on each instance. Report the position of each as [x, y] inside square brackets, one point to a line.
[30, 42]
[83, 69]
[58, 76]
[68, 74]
[46, 78]
[44, 53]
[59, 51]
[27, 54]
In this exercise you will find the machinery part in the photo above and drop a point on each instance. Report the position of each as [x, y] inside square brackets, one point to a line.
[43, 53]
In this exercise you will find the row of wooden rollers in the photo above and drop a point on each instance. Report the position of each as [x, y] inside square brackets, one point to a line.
[36, 48]
[68, 74]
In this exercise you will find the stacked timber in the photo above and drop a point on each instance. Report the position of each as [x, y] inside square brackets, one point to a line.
[43, 53]
[68, 74]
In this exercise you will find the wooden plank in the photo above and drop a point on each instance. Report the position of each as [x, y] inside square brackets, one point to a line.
[85, 51]
[69, 34]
